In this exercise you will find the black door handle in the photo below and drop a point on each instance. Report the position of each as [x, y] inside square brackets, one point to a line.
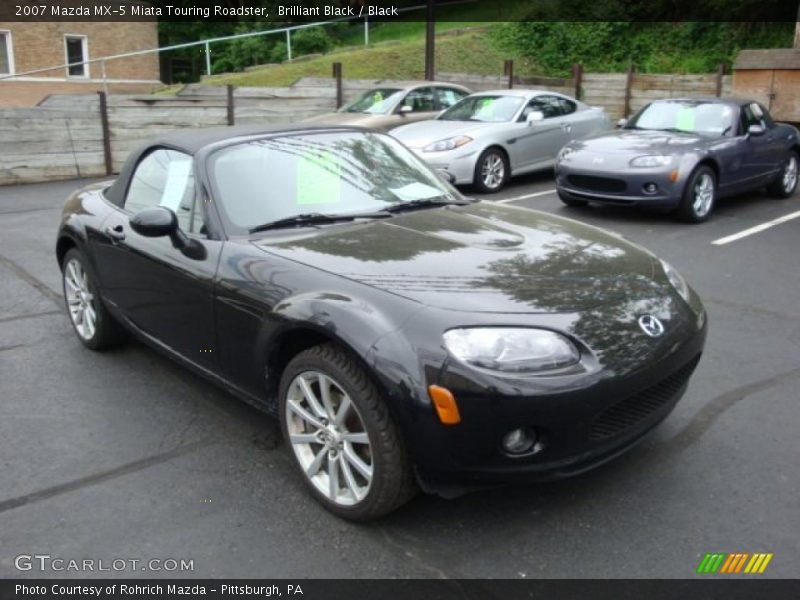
[116, 233]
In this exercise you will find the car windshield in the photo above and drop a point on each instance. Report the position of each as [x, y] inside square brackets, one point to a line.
[341, 173]
[704, 118]
[375, 102]
[487, 109]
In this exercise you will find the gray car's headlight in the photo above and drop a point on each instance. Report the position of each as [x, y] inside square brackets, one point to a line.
[565, 154]
[676, 279]
[652, 160]
[511, 349]
[448, 144]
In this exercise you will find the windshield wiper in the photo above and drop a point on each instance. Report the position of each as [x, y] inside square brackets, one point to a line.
[424, 203]
[315, 219]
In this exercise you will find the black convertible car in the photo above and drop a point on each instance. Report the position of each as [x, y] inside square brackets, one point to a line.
[403, 334]
[682, 154]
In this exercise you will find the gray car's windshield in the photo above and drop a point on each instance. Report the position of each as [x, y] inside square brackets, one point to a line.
[486, 109]
[686, 116]
[326, 174]
[375, 102]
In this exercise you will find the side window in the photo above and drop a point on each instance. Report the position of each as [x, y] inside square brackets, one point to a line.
[752, 115]
[448, 96]
[567, 106]
[420, 100]
[165, 178]
[549, 106]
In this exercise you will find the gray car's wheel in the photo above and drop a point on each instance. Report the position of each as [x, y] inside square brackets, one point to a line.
[698, 196]
[341, 435]
[491, 171]
[786, 183]
[90, 319]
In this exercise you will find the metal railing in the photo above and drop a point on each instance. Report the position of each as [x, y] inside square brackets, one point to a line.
[207, 44]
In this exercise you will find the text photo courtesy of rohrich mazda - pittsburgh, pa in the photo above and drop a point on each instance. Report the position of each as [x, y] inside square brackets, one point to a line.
[324, 301]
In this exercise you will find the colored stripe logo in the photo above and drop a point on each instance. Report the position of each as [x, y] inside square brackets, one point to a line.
[734, 563]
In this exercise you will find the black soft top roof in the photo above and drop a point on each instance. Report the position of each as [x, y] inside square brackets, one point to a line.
[191, 141]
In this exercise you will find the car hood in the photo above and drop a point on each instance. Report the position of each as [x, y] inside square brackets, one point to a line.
[637, 142]
[419, 135]
[479, 258]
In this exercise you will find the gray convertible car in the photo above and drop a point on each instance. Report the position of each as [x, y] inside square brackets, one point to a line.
[682, 155]
[489, 137]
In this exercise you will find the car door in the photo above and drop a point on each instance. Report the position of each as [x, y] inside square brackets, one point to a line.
[579, 123]
[761, 153]
[536, 144]
[157, 287]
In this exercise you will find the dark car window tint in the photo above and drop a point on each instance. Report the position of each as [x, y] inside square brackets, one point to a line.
[549, 106]
[567, 106]
[420, 100]
[165, 178]
[448, 97]
[330, 173]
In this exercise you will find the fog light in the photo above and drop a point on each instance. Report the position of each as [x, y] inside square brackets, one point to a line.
[650, 188]
[519, 441]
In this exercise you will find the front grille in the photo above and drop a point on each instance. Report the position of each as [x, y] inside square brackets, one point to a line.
[598, 184]
[627, 413]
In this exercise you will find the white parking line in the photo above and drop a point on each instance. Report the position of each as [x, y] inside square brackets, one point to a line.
[756, 229]
[534, 195]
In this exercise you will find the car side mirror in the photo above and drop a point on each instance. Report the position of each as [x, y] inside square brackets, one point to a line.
[405, 109]
[621, 123]
[534, 117]
[160, 221]
[447, 176]
[755, 130]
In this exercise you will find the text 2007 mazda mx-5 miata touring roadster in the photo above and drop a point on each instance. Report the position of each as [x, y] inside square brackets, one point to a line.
[403, 334]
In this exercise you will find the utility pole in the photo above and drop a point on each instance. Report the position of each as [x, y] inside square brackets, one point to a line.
[430, 37]
[797, 30]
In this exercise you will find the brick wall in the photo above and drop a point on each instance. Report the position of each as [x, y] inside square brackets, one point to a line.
[38, 45]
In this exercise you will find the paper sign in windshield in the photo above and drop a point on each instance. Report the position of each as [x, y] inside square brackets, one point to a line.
[177, 179]
[319, 179]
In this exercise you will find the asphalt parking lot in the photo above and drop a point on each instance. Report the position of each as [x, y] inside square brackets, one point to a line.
[125, 455]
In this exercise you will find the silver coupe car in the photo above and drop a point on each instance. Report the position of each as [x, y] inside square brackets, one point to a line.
[488, 137]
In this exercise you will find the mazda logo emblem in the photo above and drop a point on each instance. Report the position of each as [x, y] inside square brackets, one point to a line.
[651, 325]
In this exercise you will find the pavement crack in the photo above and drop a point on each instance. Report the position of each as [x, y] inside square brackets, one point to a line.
[46, 313]
[38, 284]
[712, 411]
[414, 556]
[12, 347]
[101, 477]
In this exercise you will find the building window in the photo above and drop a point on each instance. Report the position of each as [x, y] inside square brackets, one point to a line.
[6, 54]
[77, 52]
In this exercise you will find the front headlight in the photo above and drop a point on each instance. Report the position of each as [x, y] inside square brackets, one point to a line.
[448, 144]
[511, 349]
[676, 279]
[565, 154]
[654, 160]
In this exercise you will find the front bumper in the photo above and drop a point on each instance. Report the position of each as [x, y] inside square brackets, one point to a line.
[460, 163]
[582, 419]
[621, 187]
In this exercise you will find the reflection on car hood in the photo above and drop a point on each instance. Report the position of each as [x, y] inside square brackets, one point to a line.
[480, 258]
[419, 135]
[637, 142]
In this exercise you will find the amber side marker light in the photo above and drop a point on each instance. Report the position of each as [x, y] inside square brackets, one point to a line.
[445, 405]
[673, 177]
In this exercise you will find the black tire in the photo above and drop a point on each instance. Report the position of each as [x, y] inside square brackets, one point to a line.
[393, 482]
[491, 154]
[781, 188]
[574, 202]
[106, 332]
[692, 209]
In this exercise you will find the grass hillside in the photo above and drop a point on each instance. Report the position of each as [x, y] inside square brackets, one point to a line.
[461, 51]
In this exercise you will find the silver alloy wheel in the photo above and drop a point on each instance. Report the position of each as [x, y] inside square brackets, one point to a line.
[328, 437]
[493, 171]
[80, 300]
[790, 174]
[703, 195]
